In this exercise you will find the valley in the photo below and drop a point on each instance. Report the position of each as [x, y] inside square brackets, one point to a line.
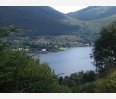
[43, 50]
[46, 28]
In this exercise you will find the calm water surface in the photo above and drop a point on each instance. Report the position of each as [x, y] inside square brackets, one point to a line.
[69, 61]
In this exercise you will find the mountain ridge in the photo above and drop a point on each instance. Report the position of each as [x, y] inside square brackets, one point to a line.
[39, 20]
[44, 20]
[93, 12]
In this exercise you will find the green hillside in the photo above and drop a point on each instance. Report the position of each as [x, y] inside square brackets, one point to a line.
[20, 73]
[93, 13]
[97, 24]
[41, 20]
[95, 17]
[43, 25]
[105, 84]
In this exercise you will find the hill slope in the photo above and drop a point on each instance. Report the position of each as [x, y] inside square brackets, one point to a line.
[95, 17]
[94, 12]
[96, 25]
[41, 20]
[44, 20]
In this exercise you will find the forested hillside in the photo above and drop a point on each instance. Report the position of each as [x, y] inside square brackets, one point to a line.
[46, 21]
[104, 54]
[95, 17]
[41, 20]
[93, 13]
[19, 73]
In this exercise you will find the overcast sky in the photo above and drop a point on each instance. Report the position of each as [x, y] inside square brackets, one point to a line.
[67, 9]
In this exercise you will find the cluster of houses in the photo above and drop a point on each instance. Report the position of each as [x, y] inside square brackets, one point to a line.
[26, 49]
[44, 50]
[20, 49]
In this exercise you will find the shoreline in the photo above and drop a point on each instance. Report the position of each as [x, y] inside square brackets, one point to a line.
[46, 52]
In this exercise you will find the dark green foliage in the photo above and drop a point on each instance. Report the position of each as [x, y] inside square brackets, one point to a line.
[20, 73]
[107, 85]
[7, 30]
[80, 82]
[104, 51]
[89, 76]
[84, 88]
[76, 79]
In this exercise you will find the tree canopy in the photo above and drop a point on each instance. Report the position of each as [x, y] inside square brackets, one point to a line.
[20, 73]
[104, 51]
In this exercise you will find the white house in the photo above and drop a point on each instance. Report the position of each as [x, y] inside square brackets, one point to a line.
[43, 50]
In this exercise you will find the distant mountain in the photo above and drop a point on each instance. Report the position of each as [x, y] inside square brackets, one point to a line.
[95, 17]
[93, 13]
[41, 20]
[95, 26]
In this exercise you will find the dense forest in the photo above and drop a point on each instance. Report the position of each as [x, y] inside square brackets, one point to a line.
[20, 73]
